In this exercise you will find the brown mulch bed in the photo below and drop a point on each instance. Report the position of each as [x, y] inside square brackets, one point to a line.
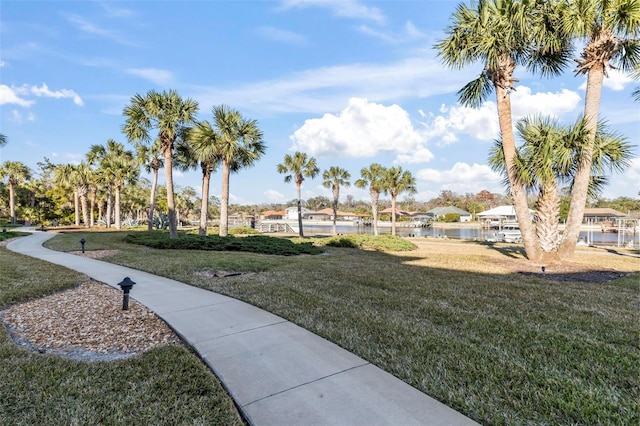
[565, 271]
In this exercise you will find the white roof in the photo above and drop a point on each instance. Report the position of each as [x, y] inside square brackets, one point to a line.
[501, 211]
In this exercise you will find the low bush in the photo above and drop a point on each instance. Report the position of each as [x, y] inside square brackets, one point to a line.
[253, 244]
[379, 243]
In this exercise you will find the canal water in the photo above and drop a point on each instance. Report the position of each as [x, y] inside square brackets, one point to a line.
[473, 234]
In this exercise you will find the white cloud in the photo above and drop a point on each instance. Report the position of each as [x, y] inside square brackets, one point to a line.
[419, 156]
[633, 174]
[362, 129]
[64, 93]
[273, 196]
[154, 75]
[93, 29]
[10, 95]
[341, 8]
[328, 88]
[482, 123]
[617, 80]
[525, 103]
[461, 178]
[283, 36]
[409, 33]
[18, 117]
[2, 63]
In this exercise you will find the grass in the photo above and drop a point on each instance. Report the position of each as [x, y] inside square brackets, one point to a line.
[168, 385]
[502, 348]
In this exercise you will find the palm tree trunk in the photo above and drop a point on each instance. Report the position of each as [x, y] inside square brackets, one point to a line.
[171, 203]
[100, 208]
[109, 207]
[204, 204]
[529, 237]
[12, 201]
[84, 207]
[224, 200]
[300, 231]
[76, 205]
[152, 200]
[92, 205]
[117, 208]
[547, 225]
[336, 196]
[393, 215]
[374, 210]
[583, 173]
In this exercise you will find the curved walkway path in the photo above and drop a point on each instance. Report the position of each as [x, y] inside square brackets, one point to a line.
[278, 373]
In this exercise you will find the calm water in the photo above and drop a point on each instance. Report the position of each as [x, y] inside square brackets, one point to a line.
[474, 234]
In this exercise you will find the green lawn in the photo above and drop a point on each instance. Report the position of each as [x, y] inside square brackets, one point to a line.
[500, 347]
[168, 385]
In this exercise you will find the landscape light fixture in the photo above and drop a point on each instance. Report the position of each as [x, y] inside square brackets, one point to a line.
[543, 269]
[82, 241]
[126, 285]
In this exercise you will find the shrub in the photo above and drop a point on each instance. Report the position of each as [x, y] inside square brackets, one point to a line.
[254, 243]
[379, 243]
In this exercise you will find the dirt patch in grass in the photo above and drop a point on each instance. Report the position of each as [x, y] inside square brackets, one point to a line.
[565, 271]
[95, 254]
[219, 273]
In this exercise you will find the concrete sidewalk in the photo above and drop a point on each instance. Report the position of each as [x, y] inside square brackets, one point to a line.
[278, 373]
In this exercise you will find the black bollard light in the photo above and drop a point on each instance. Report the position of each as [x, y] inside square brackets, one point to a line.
[126, 285]
[543, 269]
[82, 241]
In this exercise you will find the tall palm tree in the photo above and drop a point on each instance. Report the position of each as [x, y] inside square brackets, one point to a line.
[234, 140]
[3, 140]
[169, 115]
[500, 34]
[297, 167]
[335, 177]
[16, 173]
[77, 177]
[202, 149]
[109, 159]
[151, 158]
[373, 177]
[610, 31]
[397, 181]
[120, 170]
[550, 157]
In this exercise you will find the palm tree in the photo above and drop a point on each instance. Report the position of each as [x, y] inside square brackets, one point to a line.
[150, 157]
[297, 167]
[373, 176]
[610, 30]
[119, 170]
[3, 140]
[237, 143]
[502, 34]
[115, 166]
[205, 156]
[335, 177]
[77, 177]
[16, 173]
[396, 181]
[550, 157]
[169, 115]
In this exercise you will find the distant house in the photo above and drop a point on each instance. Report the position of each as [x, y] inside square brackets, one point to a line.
[272, 215]
[498, 215]
[399, 213]
[439, 212]
[291, 213]
[327, 214]
[598, 215]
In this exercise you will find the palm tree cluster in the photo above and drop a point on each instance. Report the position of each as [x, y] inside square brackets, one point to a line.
[162, 123]
[540, 35]
[392, 181]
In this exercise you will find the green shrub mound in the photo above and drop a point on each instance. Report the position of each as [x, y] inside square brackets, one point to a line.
[371, 242]
[254, 244]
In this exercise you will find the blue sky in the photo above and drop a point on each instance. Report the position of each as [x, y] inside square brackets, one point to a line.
[348, 82]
